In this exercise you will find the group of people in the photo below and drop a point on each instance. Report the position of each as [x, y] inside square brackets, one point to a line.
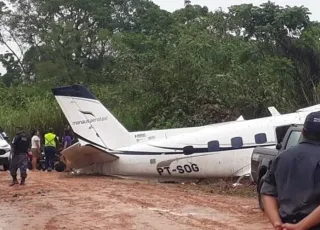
[22, 143]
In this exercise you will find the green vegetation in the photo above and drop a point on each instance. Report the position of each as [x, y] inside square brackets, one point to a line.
[153, 68]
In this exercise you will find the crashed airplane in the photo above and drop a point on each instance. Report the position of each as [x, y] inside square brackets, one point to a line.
[218, 150]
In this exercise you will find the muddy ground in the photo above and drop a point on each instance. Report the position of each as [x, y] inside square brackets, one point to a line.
[53, 200]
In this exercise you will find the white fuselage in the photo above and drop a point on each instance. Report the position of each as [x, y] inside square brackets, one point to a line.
[165, 158]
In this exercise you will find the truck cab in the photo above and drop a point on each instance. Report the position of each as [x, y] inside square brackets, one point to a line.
[286, 137]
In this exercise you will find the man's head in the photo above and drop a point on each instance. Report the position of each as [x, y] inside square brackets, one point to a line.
[35, 132]
[67, 132]
[19, 129]
[50, 130]
[311, 127]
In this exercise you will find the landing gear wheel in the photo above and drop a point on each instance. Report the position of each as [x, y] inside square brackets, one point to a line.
[59, 166]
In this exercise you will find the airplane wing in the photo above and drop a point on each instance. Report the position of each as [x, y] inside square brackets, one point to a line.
[82, 154]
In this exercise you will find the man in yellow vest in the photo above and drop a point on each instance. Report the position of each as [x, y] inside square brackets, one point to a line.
[50, 149]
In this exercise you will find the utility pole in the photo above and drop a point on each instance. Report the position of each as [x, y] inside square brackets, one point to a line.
[187, 2]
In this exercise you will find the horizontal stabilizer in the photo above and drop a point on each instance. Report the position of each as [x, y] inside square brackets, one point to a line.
[273, 111]
[240, 118]
[82, 156]
[311, 108]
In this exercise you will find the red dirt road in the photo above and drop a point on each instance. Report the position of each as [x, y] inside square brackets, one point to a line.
[60, 201]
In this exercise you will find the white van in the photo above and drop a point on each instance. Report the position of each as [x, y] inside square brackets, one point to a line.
[5, 149]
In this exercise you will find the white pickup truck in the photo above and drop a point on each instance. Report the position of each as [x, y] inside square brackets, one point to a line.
[5, 155]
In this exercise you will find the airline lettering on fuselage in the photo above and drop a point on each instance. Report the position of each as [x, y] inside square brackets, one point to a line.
[180, 169]
[90, 120]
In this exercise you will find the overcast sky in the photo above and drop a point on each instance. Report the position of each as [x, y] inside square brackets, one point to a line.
[172, 5]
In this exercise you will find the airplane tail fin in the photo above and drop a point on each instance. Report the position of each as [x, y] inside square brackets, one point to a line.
[89, 119]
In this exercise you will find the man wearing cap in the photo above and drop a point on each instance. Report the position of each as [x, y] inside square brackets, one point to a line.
[291, 191]
[19, 150]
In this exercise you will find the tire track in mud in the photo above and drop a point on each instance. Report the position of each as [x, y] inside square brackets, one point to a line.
[173, 212]
[213, 201]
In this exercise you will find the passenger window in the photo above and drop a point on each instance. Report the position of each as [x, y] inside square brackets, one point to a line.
[293, 139]
[213, 146]
[236, 142]
[260, 138]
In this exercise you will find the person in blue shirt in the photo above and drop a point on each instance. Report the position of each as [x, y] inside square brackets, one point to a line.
[67, 142]
[67, 139]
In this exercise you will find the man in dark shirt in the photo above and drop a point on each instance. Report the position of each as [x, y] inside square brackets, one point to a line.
[291, 191]
[19, 150]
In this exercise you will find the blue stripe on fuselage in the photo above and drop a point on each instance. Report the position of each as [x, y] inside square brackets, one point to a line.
[178, 150]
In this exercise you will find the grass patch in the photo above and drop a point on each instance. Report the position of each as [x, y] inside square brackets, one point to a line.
[247, 188]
